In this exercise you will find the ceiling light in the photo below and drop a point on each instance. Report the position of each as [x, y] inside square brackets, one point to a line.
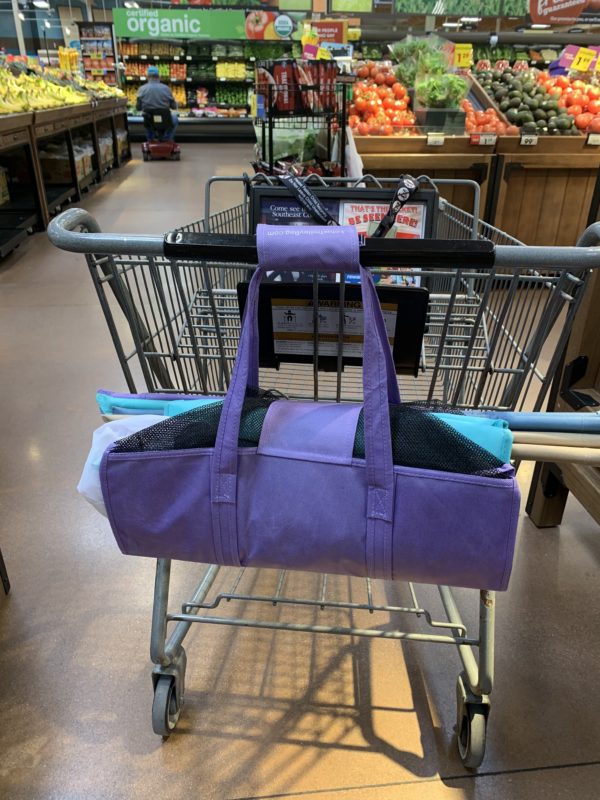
[131, 4]
[41, 3]
[21, 16]
[462, 19]
[539, 26]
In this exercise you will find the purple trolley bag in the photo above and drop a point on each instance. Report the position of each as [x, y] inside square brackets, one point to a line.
[300, 500]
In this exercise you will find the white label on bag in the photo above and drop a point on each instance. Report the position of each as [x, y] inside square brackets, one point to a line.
[293, 326]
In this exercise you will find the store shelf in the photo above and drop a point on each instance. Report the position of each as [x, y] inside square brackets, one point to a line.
[10, 238]
[57, 194]
[201, 129]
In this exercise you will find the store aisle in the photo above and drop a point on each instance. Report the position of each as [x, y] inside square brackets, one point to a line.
[267, 714]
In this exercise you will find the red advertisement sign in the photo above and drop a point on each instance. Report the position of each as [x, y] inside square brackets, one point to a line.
[557, 12]
[331, 30]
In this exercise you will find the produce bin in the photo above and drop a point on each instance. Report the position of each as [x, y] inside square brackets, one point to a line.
[390, 156]
[545, 193]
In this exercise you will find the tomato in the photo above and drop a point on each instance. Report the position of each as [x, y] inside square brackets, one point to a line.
[593, 92]
[370, 65]
[363, 72]
[387, 130]
[513, 130]
[372, 106]
[398, 90]
[363, 129]
[390, 79]
[579, 85]
[595, 125]
[401, 105]
[501, 128]
[360, 104]
[379, 78]
[594, 106]
[583, 120]
[562, 103]
[556, 91]
[353, 120]
[373, 72]
[575, 111]
[563, 81]
[388, 103]
[577, 99]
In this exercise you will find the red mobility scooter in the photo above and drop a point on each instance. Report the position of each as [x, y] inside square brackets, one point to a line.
[159, 121]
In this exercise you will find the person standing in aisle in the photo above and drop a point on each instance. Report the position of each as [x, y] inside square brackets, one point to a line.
[155, 95]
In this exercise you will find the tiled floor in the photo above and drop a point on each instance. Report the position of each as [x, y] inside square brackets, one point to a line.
[267, 714]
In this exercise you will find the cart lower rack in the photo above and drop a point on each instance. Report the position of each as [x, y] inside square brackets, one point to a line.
[497, 321]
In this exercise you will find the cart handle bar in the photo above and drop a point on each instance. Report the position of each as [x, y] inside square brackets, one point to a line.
[214, 247]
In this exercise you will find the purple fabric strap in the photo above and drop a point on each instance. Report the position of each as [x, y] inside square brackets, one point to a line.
[306, 249]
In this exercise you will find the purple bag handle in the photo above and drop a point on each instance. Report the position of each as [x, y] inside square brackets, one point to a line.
[305, 249]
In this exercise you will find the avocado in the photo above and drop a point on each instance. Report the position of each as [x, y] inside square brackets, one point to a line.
[529, 86]
[504, 105]
[496, 74]
[553, 131]
[501, 93]
[563, 123]
[514, 102]
[541, 124]
[525, 116]
[514, 93]
[529, 127]
[512, 115]
[530, 103]
[539, 114]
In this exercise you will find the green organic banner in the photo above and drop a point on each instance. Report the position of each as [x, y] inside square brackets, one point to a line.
[295, 5]
[354, 6]
[158, 23]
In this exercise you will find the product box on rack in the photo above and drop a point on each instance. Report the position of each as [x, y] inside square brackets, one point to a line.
[4, 193]
[56, 167]
[297, 87]
[106, 150]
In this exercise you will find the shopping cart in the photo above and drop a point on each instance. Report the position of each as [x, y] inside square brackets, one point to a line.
[498, 320]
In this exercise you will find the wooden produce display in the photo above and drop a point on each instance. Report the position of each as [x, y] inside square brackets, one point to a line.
[454, 157]
[49, 157]
[545, 193]
[577, 389]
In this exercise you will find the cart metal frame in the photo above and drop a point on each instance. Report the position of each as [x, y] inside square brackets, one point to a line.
[487, 346]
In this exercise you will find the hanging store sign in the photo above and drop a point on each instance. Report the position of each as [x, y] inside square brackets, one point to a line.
[351, 6]
[272, 26]
[155, 23]
[556, 12]
[331, 30]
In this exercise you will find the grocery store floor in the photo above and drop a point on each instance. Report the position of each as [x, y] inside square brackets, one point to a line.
[268, 714]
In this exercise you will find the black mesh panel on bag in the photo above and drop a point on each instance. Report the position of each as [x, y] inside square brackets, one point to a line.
[419, 439]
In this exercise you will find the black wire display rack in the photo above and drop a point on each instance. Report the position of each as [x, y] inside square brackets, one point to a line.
[321, 108]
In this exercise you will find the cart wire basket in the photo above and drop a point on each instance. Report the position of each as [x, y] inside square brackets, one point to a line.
[498, 319]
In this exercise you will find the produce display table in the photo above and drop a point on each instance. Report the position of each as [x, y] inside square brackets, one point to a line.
[545, 194]
[390, 156]
[21, 210]
[49, 157]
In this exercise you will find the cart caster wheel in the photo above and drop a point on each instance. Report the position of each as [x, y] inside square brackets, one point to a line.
[165, 709]
[177, 157]
[145, 156]
[471, 736]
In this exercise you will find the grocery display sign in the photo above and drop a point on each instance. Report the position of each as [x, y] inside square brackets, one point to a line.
[272, 26]
[580, 59]
[158, 23]
[556, 12]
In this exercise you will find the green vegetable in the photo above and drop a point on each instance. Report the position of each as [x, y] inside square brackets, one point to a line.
[443, 91]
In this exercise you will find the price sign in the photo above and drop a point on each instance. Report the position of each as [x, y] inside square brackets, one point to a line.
[143, 58]
[483, 139]
[188, 58]
[463, 55]
[175, 58]
[156, 58]
[435, 139]
[583, 59]
[529, 139]
[593, 139]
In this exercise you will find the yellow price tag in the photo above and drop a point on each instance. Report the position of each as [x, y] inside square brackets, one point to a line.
[463, 55]
[583, 59]
[324, 54]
